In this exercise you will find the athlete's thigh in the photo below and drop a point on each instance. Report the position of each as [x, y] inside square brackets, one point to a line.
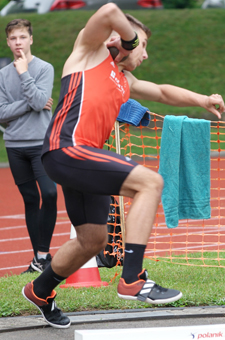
[20, 165]
[83, 208]
[87, 169]
[34, 155]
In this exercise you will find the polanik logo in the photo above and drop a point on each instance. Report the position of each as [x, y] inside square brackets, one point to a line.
[207, 335]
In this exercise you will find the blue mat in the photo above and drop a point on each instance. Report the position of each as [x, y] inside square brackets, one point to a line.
[185, 168]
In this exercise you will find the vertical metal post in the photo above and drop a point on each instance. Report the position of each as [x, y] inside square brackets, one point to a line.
[121, 202]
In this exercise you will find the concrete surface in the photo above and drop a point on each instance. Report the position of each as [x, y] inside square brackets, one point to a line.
[35, 328]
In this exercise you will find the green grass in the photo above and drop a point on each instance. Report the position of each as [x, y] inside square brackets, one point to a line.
[3, 154]
[182, 51]
[201, 286]
[211, 259]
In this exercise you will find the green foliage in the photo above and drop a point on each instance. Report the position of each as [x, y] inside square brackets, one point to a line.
[3, 3]
[179, 3]
[182, 51]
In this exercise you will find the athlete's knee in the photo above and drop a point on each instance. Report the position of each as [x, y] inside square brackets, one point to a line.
[154, 186]
[99, 243]
[30, 194]
[102, 242]
[142, 179]
[48, 190]
[49, 195]
[156, 181]
[152, 183]
[151, 180]
[94, 242]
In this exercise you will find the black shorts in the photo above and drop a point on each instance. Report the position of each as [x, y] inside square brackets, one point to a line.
[88, 177]
[25, 163]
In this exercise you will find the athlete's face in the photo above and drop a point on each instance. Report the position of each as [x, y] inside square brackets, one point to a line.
[139, 54]
[19, 39]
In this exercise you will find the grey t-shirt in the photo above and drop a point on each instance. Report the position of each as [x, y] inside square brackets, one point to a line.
[22, 98]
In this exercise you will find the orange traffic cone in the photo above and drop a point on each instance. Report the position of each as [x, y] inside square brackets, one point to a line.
[87, 276]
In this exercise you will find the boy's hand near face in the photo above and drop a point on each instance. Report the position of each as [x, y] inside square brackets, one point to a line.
[21, 63]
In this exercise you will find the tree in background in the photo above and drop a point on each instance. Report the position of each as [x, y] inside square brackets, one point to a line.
[3, 3]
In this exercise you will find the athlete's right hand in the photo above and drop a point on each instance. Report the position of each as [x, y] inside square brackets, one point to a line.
[116, 42]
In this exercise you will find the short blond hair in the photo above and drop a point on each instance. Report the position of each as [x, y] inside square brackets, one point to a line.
[18, 23]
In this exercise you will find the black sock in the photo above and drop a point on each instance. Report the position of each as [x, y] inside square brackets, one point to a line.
[46, 282]
[133, 260]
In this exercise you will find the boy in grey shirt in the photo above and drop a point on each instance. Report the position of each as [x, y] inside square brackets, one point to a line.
[25, 107]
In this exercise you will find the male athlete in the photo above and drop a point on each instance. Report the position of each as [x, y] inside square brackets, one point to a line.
[93, 88]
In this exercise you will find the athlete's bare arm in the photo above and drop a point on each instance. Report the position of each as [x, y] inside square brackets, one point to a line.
[89, 48]
[172, 95]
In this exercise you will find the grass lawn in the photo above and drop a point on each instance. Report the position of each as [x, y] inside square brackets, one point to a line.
[3, 153]
[182, 51]
[141, 141]
[201, 286]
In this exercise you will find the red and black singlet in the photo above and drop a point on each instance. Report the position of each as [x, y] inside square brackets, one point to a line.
[88, 105]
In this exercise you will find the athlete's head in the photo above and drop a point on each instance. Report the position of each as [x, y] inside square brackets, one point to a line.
[139, 54]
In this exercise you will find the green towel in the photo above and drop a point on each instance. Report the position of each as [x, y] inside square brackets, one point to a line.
[185, 168]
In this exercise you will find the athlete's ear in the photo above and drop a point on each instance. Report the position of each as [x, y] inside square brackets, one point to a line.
[31, 40]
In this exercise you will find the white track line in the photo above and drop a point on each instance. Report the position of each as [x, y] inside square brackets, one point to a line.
[23, 251]
[23, 216]
[24, 226]
[28, 238]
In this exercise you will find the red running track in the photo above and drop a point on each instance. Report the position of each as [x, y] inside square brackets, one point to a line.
[195, 236]
[15, 247]
[190, 236]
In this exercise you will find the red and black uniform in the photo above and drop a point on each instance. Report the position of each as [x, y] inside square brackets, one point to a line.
[72, 154]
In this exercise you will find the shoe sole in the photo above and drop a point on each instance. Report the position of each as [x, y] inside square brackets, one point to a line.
[154, 302]
[50, 323]
[36, 268]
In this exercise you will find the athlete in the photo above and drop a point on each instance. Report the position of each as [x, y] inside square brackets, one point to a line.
[93, 88]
